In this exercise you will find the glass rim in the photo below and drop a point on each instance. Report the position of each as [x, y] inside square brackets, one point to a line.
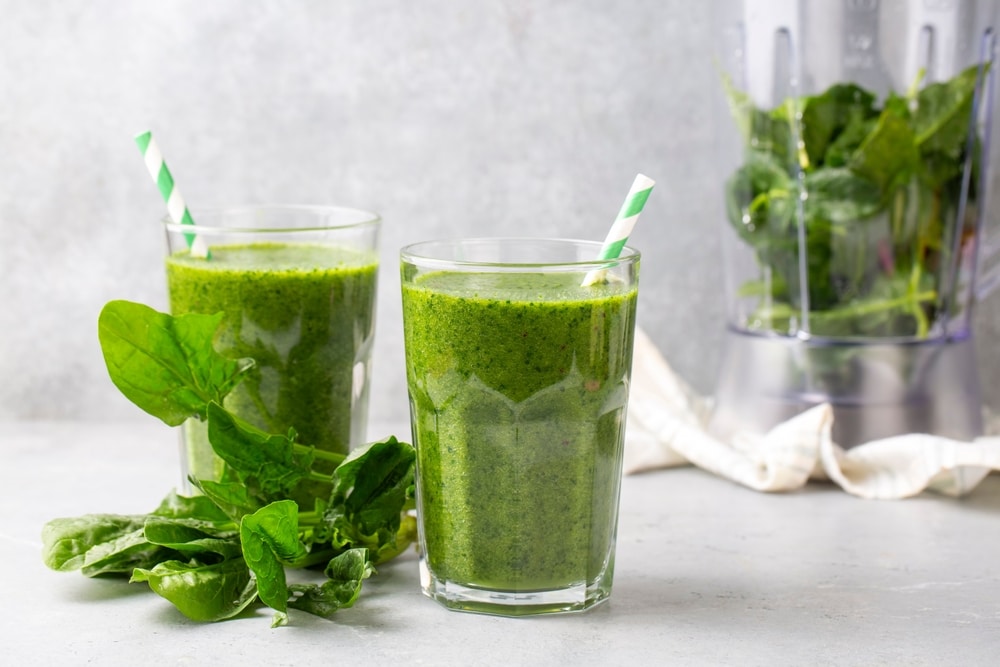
[411, 254]
[363, 217]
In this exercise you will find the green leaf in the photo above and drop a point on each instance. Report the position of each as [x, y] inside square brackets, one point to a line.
[345, 574]
[888, 157]
[66, 542]
[943, 113]
[760, 198]
[269, 536]
[202, 592]
[272, 461]
[99, 544]
[827, 115]
[194, 507]
[371, 490]
[193, 537]
[232, 498]
[840, 196]
[842, 149]
[767, 132]
[819, 251]
[939, 170]
[166, 365]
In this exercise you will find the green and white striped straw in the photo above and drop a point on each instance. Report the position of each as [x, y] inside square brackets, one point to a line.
[623, 224]
[176, 208]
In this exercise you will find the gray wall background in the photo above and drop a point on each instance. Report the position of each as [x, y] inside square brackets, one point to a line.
[513, 117]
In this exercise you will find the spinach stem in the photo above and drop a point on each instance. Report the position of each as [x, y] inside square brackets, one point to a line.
[321, 454]
[314, 476]
[309, 518]
[884, 304]
[314, 558]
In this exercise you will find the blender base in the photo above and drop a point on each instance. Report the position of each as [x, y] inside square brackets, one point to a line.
[877, 390]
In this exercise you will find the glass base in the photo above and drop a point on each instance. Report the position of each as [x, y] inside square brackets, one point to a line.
[472, 599]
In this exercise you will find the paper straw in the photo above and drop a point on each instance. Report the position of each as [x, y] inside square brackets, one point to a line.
[176, 208]
[614, 242]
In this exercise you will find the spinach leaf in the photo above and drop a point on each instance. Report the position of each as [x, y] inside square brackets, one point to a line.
[888, 156]
[66, 542]
[767, 132]
[166, 365]
[232, 498]
[193, 537]
[342, 588]
[943, 112]
[271, 462]
[177, 506]
[826, 116]
[940, 172]
[202, 592]
[840, 196]
[841, 150]
[99, 544]
[372, 488]
[760, 198]
[269, 536]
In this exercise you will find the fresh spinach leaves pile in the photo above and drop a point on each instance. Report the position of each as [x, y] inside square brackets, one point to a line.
[215, 554]
[878, 188]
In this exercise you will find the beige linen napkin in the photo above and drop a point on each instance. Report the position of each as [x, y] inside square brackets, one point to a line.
[667, 427]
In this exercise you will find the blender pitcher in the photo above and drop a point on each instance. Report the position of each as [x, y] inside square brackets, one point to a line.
[853, 138]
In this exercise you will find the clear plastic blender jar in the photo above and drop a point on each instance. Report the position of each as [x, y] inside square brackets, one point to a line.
[854, 143]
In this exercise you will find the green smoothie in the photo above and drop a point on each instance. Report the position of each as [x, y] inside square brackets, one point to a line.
[305, 313]
[518, 387]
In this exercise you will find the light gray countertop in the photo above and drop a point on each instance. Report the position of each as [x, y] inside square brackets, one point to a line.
[707, 573]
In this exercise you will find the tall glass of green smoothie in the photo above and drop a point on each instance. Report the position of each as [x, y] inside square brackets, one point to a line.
[296, 286]
[518, 381]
